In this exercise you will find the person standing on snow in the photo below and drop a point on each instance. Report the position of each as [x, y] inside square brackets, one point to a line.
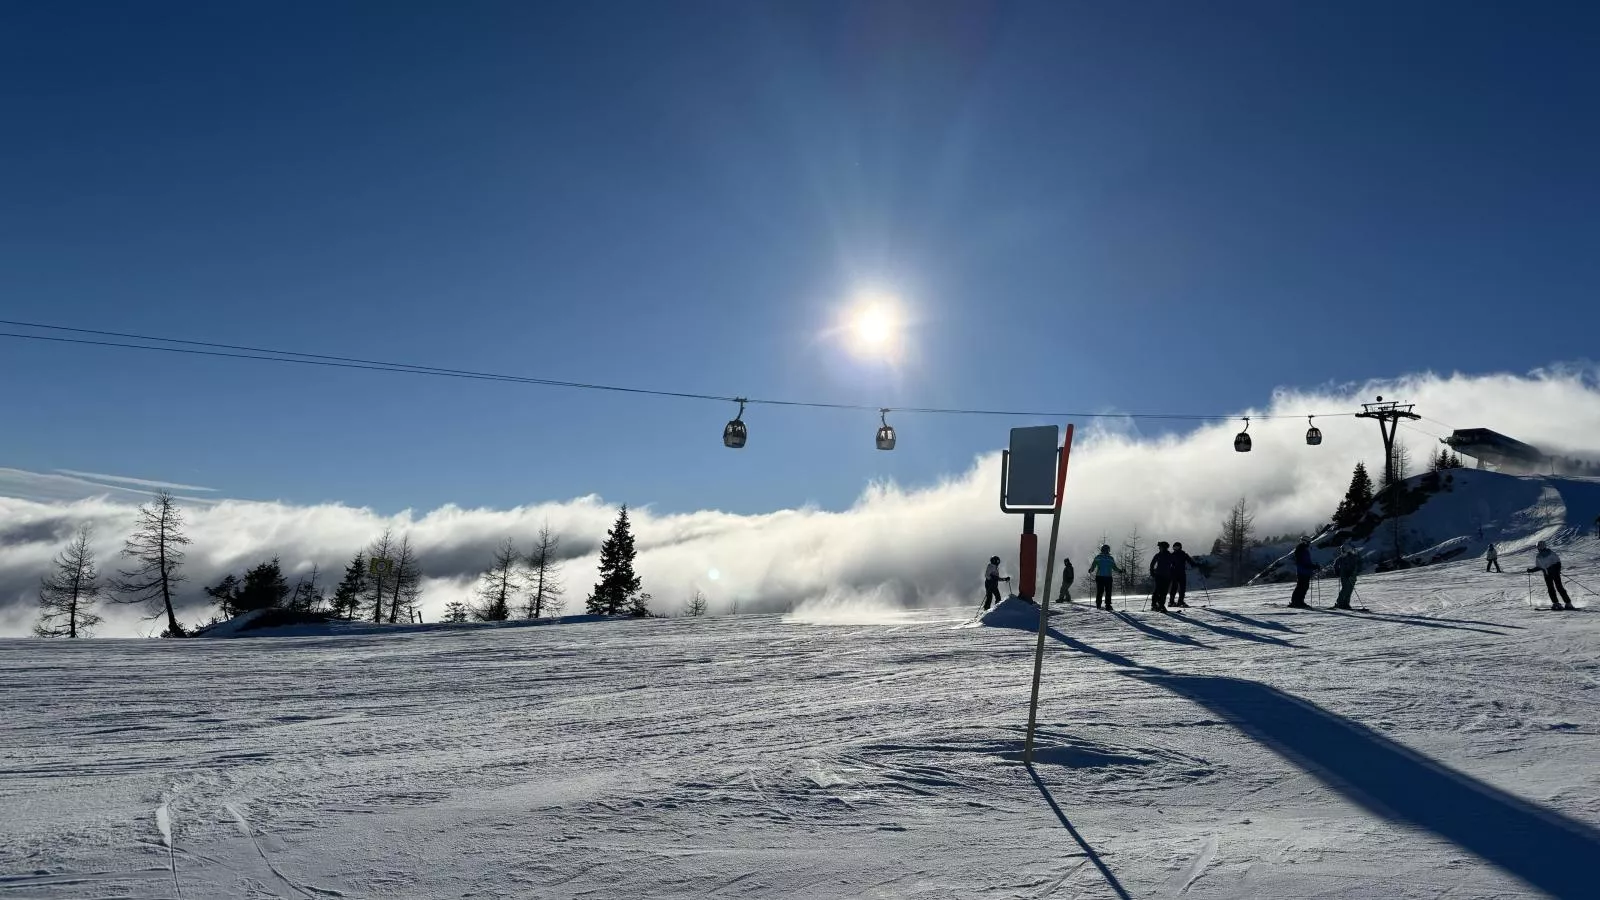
[1066, 581]
[1161, 574]
[991, 582]
[1494, 560]
[1179, 587]
[1103, 566]
[1347, 565]
[1550, 564]
[1304, 568]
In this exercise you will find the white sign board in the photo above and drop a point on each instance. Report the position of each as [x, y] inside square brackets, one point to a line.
[1031, 475]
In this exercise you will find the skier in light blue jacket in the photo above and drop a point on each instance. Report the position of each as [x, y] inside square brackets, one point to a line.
[1103, 567]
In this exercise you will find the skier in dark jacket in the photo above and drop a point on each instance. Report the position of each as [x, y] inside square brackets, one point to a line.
[1066, 581]
[1347, 565]
[1549, 563]
[1179, 587]
[1304, 568]
[1161, 575]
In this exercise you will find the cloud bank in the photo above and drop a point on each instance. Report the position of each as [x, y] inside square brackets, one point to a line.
[894, 547]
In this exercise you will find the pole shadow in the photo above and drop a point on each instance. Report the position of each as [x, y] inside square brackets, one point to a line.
[1160, 634]
[1066, 823]
[1116, 659]
[1241, 635]
[1540, 846]
[1247, 620]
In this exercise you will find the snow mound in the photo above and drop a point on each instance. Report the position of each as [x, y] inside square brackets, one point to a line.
[1012, 612]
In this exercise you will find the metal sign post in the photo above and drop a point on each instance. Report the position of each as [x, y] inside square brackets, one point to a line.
[1044, 607]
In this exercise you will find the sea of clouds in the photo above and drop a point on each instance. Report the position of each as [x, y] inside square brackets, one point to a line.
[895, 547]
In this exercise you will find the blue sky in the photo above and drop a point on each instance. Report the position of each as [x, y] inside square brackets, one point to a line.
[1145, 207]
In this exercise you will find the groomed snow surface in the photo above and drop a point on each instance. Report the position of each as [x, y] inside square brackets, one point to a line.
[1443, 745]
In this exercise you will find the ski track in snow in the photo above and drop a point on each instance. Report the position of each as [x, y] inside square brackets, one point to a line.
[757, 757]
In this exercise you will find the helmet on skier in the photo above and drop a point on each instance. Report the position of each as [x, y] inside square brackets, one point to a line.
[1542, 546]
[1161, 543]
[994, 559]
[1177, 545]
[1105, 548]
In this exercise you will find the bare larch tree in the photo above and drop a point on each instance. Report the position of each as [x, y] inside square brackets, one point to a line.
[68, 595]
[156, 548]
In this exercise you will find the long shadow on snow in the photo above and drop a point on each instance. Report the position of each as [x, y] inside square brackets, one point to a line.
[1236, 633]
[1067, 824]
[1116, 659]
[1406, 620]
[1246, 620]
[1540, 846]
[1409, 616]
[1159, 634]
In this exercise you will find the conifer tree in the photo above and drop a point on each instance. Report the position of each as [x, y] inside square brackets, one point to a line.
[68, 595]
[1357, 499]
[263, 587]
[498, 586]
[307, 596]
[406, 582]
[226, 594]
[542, 576]
[1132, 562]
[455, 612]
[1237, 530]
[618, 587]
[156, 549]
[380, 568]
[352, 588]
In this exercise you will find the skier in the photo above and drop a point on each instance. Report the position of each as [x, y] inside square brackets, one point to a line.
[1179, 588]
[1548, 562]
[991, 582]
[1304, 568]
[1494, 560]
[1161, 574]
[1103, 566]
[1066, 581]
[1347, 565]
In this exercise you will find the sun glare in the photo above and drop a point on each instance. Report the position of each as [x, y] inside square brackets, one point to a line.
[874, 326]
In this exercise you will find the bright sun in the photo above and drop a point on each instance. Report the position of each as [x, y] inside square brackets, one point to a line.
[874, 326]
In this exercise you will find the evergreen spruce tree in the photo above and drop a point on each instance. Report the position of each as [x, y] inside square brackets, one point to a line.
[498, 587]
[67, 597]
[618, 587]
[455, 612]
[156, 548]
[226, 594]
[1357, 499]
[264, 586]
[352, 588]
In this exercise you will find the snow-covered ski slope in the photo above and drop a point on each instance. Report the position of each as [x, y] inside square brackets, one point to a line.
[1443, 745]
[1461, 516]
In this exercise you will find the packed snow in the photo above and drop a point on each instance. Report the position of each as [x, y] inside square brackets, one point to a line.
[1441, 745]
